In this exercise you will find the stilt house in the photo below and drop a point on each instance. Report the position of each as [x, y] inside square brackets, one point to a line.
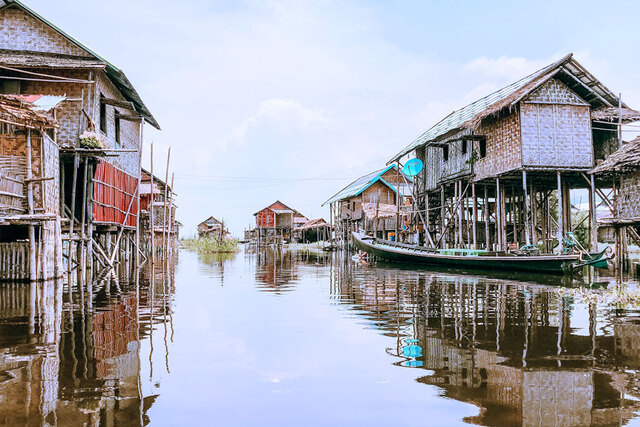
[314, 230]
[494, 168]
[211, 227]
[277, 221]
[157, 204]
[30, 237]
[99, 131]
[371, 203]
[620, 172]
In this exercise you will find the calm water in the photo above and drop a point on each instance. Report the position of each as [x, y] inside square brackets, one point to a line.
[302, 339]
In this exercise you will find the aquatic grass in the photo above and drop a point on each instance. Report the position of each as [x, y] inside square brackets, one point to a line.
[211, 245]
[617, 296]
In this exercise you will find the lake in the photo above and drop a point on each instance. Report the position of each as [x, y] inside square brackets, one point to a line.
[278, 337]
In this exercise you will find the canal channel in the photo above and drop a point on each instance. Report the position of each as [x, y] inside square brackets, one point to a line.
[309, 338]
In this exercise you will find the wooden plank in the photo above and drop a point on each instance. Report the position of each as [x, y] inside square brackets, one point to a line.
[117, 103]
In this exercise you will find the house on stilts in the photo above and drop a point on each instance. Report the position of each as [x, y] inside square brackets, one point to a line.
[498, 173]
[30, 234]
[276, 222]
[98, 134]
[620, 175]
[378, 203]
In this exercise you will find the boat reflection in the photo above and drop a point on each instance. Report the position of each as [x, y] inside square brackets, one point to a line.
[523, 353]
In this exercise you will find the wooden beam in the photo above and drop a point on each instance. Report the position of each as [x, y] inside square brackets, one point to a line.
[117, 103]
[129, 117]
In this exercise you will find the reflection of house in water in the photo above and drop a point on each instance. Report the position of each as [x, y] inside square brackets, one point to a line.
[509, 349]
[71, 366]
[276, 271]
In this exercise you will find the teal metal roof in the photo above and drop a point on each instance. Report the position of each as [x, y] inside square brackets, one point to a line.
[359, 185]
[115, 74]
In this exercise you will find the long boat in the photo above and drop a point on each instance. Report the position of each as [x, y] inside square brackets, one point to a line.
[465, 258]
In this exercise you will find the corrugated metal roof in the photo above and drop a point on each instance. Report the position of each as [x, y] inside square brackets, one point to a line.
[43, 102]
[361, 184]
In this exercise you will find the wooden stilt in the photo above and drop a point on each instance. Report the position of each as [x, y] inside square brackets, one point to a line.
[561, 208]
[486, 211]
[527, 229]
[474, 216]
[151, 225]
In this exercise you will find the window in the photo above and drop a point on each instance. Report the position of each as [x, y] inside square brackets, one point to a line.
[482, 147]
[117, 132]
[464, 146]
[445, 152]
[10, 87]
[103, 115]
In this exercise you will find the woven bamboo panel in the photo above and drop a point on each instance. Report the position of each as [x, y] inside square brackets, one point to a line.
[12, 197]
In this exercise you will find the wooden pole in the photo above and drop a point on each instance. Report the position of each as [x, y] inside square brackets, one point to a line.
[141, 146]
[474, 216]
[442, 212]
[166, 195]
[593, 217]
[499, 209]
[170, 220]
[31, 228]
[560, 233]
[153, 231]
[487, 216]
[527, 229]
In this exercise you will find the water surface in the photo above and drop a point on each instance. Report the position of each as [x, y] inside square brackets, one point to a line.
[303, 338]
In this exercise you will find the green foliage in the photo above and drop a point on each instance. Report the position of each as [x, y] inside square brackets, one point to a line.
[580, 228]
[211, 245]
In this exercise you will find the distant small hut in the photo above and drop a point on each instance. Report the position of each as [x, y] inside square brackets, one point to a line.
[276, 223]
[211, 227]
[314, 230]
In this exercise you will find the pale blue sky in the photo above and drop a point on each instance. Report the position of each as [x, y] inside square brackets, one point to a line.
[291, 100]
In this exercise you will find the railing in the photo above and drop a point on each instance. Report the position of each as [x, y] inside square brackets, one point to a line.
[12, 198]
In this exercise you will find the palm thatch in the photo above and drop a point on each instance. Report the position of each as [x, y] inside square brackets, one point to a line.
[625, 159]
[613, 114]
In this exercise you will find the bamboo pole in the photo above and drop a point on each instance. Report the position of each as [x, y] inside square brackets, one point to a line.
[593, 214]
[166, 195]
[527, 230]
[475, 215]
[137, 242]
[151, 224]
[31, 229]
[560, 212]
[499, 209]
[487, 215]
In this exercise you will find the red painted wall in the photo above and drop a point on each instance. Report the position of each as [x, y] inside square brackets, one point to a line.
[112, 193]
[265, 218]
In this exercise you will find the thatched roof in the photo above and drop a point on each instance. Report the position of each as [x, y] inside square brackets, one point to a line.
[313, 223]
[13, 58]
[625, 159]
[117, 77]
[379, 210]
[15, 110]
[567, 70]
[613, 114]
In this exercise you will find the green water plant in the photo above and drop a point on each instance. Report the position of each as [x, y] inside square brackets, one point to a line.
[211, 245]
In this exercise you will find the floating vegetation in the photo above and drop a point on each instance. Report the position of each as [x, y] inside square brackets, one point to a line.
[619, 296]
[211, 245]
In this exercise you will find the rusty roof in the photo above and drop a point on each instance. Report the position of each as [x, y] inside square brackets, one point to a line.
[18, 111]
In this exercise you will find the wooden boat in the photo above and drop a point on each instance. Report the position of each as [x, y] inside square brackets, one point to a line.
[465, 258]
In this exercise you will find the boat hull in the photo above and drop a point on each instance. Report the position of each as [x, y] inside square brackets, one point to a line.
[555, 264]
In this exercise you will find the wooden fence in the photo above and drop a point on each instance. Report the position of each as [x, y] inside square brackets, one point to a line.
[14, 261]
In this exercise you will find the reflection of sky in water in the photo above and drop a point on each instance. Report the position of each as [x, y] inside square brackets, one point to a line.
[289, 338]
